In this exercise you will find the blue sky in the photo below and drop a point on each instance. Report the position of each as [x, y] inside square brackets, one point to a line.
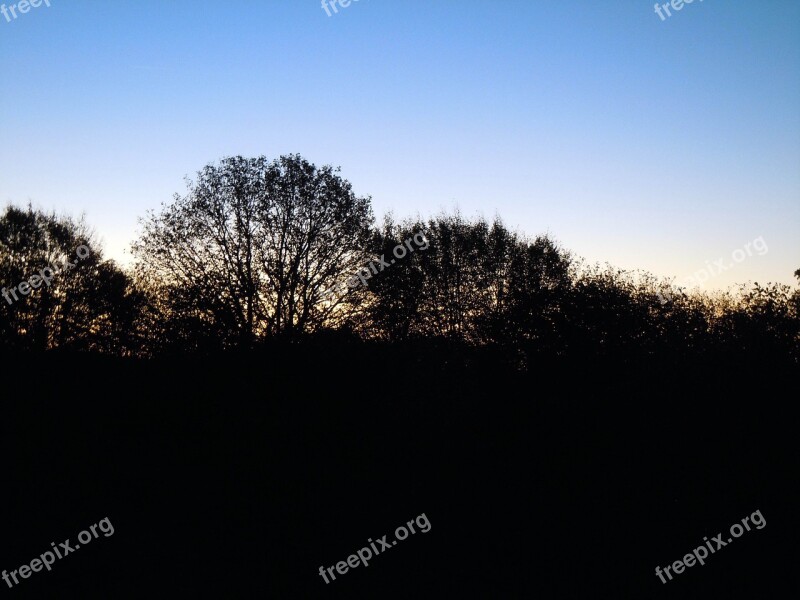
[660, 145]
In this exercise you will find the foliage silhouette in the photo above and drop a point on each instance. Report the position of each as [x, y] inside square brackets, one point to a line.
[92, 306]
[251, 252]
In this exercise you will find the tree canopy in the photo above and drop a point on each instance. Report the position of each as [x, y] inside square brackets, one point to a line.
[250, 250]
[58, 291]
[259, 250]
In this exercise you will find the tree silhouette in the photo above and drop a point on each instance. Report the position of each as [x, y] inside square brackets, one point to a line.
[263, 250]
[476, 283]
[80, 301]
[251, 250]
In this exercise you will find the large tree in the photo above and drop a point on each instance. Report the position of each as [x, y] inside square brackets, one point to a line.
[253, 248]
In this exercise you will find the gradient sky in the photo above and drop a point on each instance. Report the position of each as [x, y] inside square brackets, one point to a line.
[659, 145]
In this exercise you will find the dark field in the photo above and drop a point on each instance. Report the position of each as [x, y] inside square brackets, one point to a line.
[240, 476]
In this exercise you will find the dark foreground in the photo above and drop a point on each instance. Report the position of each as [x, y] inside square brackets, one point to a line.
[239, 477]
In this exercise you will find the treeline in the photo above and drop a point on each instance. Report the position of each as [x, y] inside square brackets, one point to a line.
[250, 255]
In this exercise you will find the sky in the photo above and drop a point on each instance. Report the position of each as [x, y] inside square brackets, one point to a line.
[666, 145]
